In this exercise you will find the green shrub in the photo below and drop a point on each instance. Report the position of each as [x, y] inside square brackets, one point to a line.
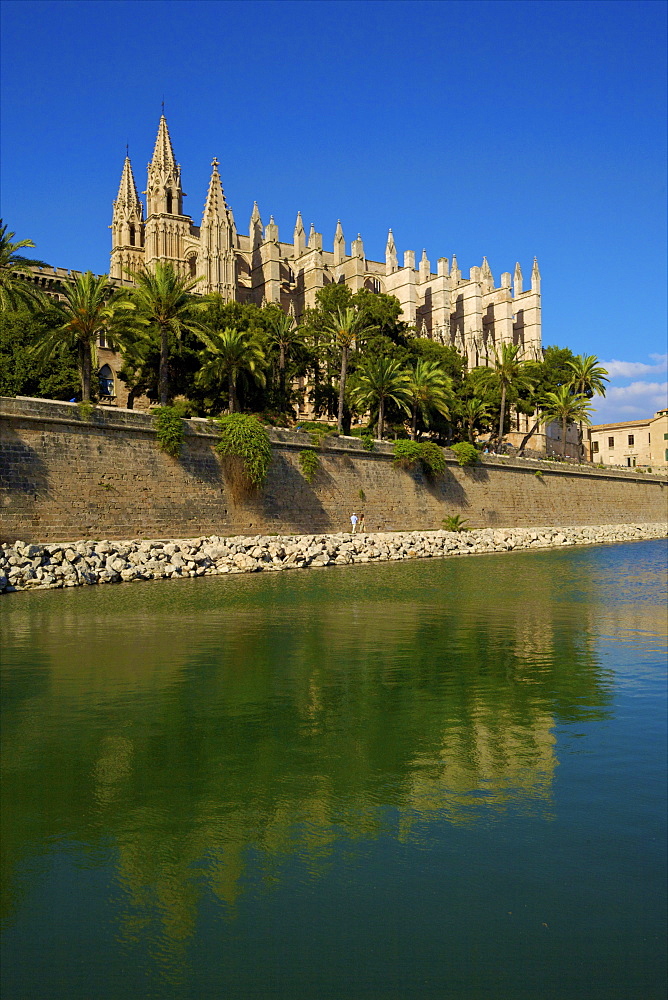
[309, 463]
[455, 523]
[408, 454]
[169, 429]
[85, 410]
[246, 451]
[368, 442]
[362, 496]
[539, 473]
[433, 459]
[466, 453]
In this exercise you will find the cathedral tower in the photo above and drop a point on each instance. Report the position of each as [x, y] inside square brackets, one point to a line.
[127, 226]
[218, 239]
[167, 228]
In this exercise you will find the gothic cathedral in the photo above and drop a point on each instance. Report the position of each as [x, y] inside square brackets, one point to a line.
[470, 313]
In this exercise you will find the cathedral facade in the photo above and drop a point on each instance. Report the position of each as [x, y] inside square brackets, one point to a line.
[470, 313]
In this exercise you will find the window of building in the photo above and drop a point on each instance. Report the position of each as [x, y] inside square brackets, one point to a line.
[106, 380]
[665, 437]
[631, 440]
[101, 340]
[192, 266]
[611, 442]
[169, 202]
[132, 236]
[594, 447]
[630, 462]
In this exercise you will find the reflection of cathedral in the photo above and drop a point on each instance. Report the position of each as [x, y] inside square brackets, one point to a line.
[468, 312]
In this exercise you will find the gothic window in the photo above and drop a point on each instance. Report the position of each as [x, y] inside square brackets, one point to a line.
[192, 266]
[169, 202]
[106, 380]
[132, 236]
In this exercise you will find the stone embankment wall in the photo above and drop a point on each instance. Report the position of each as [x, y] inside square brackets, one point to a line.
[63, 476]
[37, 567]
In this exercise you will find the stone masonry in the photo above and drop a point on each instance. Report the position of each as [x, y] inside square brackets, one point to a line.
[64, 477]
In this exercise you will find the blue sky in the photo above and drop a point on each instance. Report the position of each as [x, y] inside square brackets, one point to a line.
[505, 129]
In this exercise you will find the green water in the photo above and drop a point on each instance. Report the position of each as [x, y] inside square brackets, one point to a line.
[438, 779]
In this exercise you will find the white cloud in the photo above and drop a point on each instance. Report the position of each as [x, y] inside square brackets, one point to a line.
[636, 401]
[634, 369]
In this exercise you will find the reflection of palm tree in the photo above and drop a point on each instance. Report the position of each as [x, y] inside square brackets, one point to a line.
[430, 389]
[15, 291]
[227, 353]
[380, 380]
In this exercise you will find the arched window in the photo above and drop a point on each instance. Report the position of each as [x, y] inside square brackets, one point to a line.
[106, 380]
[192, 266]
[169, 202]
[132, 236]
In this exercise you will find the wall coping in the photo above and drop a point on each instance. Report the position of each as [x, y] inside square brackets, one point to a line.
[33, 410]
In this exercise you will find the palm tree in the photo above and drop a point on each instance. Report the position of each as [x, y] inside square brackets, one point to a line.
[378, 380]
[588, 378]
[88, 306]
[346, 327]
[164, 304]
[229, 352]
[510, 371]
[286, 336]
[14, 291]
[562, 405]
[476, 411]
[430, 389]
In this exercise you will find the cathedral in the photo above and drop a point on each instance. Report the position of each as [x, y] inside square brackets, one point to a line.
[470, 313]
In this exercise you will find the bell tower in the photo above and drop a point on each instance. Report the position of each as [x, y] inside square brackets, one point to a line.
[127, 226]
[166, 225]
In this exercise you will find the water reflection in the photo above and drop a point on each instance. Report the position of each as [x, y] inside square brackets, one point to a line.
[197, 736]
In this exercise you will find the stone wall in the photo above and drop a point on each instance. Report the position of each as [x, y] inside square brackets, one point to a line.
[64, 477]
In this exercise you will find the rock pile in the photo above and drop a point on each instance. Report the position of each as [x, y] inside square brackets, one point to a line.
[70, 564]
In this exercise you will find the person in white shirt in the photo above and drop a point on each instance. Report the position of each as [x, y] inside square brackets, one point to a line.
[353, 521]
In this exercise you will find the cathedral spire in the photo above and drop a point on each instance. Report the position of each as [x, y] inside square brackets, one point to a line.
[517, 280]
[128, 199]
[535, 277]
[271, 232]
[127, 226]
[339, 244]
[256, 229]
[163, 152]
[391, 264]
[163, 191]
[425, 267]
[215, 260]
[455, 273]
[214, 206]
[486, 276]
[299, 236]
